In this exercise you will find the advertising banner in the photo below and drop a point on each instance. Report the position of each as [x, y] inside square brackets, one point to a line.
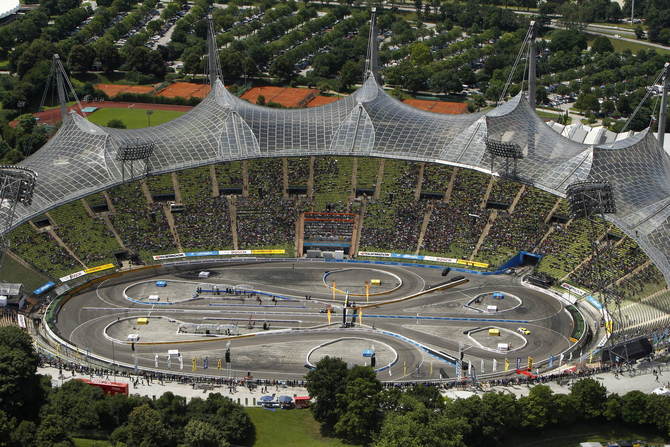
[573, 289]
[99, 268]
[439, 259]
[271, 251]
[472, 263]
[594, 302]
[234, 252]
[202, 253]
[44, 287]
[374, 254]
[169, 256]
[72, 276]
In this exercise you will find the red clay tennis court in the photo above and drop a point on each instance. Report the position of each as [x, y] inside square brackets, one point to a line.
[185, 90]
[451, 108]
[323, 100]
[111, 90]
[285, 96]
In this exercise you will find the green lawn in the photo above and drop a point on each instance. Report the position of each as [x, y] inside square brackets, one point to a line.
[551, 116]
[132, 118]
[12, 271]
[618, 25]
[621, 45]
[557, 437]
[288, 428]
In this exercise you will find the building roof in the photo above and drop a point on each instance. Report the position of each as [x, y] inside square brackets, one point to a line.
[82, 158]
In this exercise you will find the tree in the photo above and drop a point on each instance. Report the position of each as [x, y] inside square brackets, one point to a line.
[445, 81]
[20, 390]
[173, 409]
[283, 68]
[590, 397]
[612, 411]
[75, 403]
[607, 108]
[428, 395]
[64, 6]
[415, 426]
[359, 406]
[81, 58]
[116, 124]
[537, 409]
[229, 418]
[633, 407]
[146, 61]
[587, 102]
[52, 433]
[201, 434]
[145, 429]
[602, 44]
[6, 429]
[419, 53]
[324, 383]
[24, 434]
[567, 40]
[107, 55]
[350, 73]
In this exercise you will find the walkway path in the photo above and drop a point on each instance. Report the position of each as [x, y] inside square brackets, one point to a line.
[644, 381]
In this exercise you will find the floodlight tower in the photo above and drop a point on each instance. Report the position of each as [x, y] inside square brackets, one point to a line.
[511, 153]
[589, 200]
[17, 185]
[135, 152]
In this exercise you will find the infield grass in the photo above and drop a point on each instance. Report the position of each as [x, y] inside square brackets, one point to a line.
[288, 428]
[132, 118]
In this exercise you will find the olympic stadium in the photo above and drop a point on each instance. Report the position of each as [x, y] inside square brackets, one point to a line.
[239, 239]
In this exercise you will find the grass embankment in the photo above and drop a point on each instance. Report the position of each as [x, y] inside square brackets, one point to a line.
[579, 326]
[288, 428]
[14, 272]
[622, 45]
[132, 118]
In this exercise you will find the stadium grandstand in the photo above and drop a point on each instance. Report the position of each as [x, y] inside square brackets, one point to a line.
[366, 172]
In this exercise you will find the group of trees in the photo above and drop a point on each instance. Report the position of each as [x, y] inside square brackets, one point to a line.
[32, 414]
[352, 405]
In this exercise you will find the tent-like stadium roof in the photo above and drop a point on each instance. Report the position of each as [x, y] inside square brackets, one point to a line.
[82, 157]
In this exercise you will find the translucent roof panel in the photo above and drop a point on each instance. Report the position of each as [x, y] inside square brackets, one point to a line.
[82, 157]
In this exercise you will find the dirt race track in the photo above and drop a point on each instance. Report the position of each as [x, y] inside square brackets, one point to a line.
[261, 309]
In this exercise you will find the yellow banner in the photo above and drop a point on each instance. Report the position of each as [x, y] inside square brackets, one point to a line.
[99, 268]
[272, 251]
[472, 263]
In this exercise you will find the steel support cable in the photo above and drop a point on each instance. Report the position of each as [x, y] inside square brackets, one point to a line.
[522, 51]
[644, 99]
